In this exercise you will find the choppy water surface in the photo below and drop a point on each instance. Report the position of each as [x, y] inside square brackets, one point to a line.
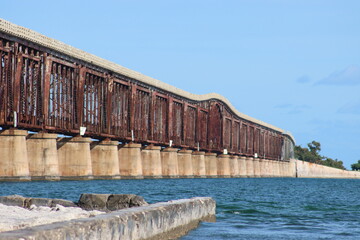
[246, 208]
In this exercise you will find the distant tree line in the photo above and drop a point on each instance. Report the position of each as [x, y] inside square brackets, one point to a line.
[356, 166]
[312, 154]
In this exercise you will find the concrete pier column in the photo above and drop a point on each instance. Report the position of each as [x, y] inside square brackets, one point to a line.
[262, 167]
[292, 168]
[277, 168]
[43, 156]
[242, 167]
[257, 168]
[169, 163]
[265, 169]
[130, 164]
[105, 159]
[270, 168]
[281, 169]
[287, 169]
[198, 162]
[14, 164]
[185, 163]
[234, 166]
[223, 165]
[211, 165]
[250, 167]
[74, 158]
[151, 162]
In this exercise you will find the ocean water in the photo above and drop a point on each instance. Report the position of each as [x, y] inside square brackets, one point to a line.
[264, 208]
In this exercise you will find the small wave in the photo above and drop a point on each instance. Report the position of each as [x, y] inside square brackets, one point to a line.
[317, 208]
[246, 212]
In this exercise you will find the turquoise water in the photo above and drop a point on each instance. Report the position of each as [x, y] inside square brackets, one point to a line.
[246, 208]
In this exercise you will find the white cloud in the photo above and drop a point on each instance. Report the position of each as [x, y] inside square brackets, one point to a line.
[303, 79]
[349, 76]
[350, 108]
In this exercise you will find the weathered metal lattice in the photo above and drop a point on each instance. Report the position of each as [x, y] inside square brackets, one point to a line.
[30, 101]
[215, 128]
[250, 149]
[191, 126]
[236, 137]
[227, 134]
[120, 111]
[177, 121]
[261, 144]
[142, 115]
[202, 128]
[160, 119]
[6, 84]
[95, 93]
[62, 96]
[243, 138]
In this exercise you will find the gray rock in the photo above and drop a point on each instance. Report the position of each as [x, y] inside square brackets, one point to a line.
[20, 201]
[13, 200]
[90, 201]
[43, 202]
[110, 202]
[87, 201]
[63, 202]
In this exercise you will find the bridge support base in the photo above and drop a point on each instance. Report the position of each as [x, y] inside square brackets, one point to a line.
[14, 164]
[104, 160]
[234, 166]
[250, 167]
[256, 168]
[223, 166]
[242, 167]
[43, 156]
[262, 167]
[151, 162]
[130, 162]
[185, 163]
[211, 165]
[198, 162]
[169, 163]
[74, 158]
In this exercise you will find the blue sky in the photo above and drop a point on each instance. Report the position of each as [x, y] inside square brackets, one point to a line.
[294, 64]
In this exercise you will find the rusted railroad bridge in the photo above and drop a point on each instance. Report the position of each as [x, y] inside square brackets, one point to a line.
[50, 88]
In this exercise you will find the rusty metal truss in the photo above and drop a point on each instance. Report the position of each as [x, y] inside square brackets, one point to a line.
[44, 90]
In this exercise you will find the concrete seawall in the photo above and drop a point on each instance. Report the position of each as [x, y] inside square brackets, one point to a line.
[312, 170]
[166, 220]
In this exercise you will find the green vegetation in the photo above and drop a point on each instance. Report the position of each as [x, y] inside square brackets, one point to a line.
[312, 154]
[356, 166]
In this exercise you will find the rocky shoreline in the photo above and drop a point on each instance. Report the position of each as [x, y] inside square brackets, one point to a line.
[101, 216]
[18, 212]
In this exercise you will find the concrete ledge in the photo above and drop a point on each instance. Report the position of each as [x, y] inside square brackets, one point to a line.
[45, 178]
[15, 179]
[166, 220]
[75, 178]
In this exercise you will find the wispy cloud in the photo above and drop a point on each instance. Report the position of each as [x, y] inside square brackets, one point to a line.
[303, 79]
[350, 108]
[293, 109]
[350, 76]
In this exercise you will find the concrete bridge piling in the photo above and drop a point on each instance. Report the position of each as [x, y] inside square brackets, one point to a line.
[45, 156]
